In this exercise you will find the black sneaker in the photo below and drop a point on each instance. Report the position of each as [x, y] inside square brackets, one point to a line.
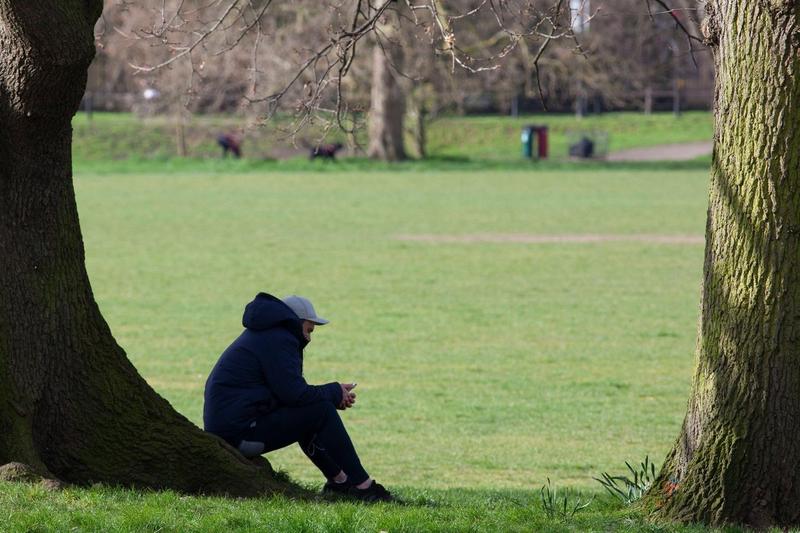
[374, 493]
[340, 489]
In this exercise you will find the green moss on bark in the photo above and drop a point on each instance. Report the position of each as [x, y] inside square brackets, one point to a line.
[735, 460]
[70, 401]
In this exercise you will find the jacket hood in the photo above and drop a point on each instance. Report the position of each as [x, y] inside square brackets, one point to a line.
[266, 311]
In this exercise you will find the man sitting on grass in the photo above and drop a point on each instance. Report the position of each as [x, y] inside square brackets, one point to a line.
[257, 399]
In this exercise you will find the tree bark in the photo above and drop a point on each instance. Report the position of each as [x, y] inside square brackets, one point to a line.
[736, 459]
[417, 114]
[387, 102]
[71, 404]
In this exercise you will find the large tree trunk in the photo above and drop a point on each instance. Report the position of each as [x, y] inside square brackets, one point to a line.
[736, 460]
[71, 404]
[387, 102]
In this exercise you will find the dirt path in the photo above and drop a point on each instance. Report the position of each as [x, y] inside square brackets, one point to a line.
[527, 238]
[666, 152]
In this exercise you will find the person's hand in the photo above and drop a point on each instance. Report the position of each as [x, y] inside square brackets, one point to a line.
[348, 397]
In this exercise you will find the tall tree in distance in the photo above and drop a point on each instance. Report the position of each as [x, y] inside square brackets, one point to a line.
[387, 99]
[736, 460]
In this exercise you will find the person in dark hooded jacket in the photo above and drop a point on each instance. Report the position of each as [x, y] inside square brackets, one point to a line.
[257, 400]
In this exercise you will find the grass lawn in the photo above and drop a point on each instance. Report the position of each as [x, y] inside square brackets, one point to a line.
[493, 139]
[485, 364]
[27, 508]
[479, 364]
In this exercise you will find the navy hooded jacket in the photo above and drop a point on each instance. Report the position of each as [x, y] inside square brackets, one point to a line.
[261, 371]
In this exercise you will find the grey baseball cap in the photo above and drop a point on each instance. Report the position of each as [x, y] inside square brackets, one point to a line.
[303, 309]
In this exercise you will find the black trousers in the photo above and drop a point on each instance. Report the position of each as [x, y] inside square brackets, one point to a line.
[319, 431]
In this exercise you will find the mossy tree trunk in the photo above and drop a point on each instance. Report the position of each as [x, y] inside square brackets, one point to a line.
[71, 404]
[737, 459]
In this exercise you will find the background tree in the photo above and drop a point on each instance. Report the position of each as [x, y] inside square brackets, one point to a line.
[737, 455]
[387, 99]
[626, 57]
[262, 54]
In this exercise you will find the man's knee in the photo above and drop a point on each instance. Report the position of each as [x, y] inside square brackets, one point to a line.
[321, 414]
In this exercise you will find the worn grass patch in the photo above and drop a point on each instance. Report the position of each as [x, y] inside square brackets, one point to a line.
[529, 238]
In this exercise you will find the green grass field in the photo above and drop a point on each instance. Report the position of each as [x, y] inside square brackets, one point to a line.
[484, 367]
[506, 324]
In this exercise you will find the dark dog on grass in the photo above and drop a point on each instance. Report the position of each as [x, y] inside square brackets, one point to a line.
[325, 151]
[232, 143]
